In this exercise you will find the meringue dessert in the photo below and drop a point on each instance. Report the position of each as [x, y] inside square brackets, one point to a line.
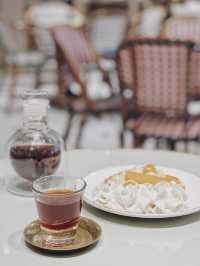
[144, 190]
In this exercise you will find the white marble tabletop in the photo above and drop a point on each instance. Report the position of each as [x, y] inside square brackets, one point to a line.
[126, 241]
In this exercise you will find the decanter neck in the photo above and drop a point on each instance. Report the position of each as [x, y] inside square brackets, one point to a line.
[35, 113]
[35, 124]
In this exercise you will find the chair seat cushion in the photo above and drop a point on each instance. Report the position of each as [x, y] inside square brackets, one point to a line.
[24, 59]
[165, 127]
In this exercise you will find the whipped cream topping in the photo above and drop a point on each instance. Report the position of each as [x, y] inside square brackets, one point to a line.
[161, 198]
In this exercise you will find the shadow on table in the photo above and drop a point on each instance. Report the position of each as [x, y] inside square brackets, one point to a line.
[146, 223]
[16, 241]
[66, 254]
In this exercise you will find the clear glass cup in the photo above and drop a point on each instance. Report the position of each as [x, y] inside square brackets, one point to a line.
[59, 202]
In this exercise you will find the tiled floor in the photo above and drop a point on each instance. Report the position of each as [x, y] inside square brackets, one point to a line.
[99, 133]
[102, 133]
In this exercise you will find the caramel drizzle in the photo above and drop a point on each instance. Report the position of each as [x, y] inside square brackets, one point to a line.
[132, 177]
[149, 175]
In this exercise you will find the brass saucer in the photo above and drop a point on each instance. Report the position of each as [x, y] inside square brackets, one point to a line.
[88, 233]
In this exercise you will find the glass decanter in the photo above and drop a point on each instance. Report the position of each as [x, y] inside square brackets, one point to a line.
[35, 149]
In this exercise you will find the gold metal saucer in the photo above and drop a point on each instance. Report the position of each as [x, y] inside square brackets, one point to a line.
[88, 233]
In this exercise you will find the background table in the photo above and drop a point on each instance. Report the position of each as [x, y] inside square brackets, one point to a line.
[188, 9]
[125, 241]
[48, 15]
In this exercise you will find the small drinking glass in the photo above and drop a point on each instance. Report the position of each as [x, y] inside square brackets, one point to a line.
[59, 202]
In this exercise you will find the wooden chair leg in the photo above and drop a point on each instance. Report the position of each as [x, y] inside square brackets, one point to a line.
[138, 141]
[172, 144]
[68, 128]
[110, 85]
[80, 132]
[157, 144]
[38, 76]
[122, 134]
[186, 146]
[122, 138]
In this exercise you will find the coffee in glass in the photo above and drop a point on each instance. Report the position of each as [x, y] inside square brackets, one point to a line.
[59, 202]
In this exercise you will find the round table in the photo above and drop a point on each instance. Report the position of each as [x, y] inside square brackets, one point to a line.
[125, 241]
[50, 14]
[188, 9]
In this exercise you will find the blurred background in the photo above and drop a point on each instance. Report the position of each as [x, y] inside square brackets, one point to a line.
[119, 73]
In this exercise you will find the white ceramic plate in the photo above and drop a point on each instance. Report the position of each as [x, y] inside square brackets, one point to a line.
[191, 182]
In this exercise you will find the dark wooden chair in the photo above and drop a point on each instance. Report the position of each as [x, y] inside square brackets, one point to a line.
[76, 56]
[187, 29]
[98, 5]
[158, 73]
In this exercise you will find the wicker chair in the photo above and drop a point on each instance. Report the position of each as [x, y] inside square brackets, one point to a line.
[158, 72]
[187, 29]
[76, 56]
[182, 28]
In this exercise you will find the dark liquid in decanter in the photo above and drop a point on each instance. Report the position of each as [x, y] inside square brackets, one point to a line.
[33, 161]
